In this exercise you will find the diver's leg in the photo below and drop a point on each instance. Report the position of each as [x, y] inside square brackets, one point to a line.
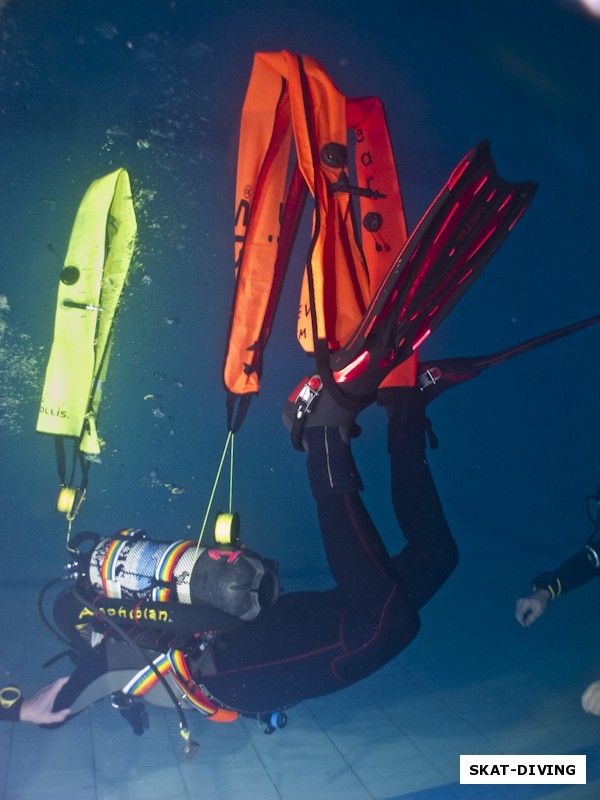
[430, 555]
[379, 614]
[314, 643]
[380, 619]
[102, 671]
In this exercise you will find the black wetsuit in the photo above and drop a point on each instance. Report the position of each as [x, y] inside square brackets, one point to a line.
[313, 643]
[573, 573]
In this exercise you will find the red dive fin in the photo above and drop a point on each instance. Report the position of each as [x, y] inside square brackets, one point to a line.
[458, 235]
[437, 376]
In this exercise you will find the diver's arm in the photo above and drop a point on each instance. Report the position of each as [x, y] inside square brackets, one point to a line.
[579, 569]
[573, 573]
[36, 709]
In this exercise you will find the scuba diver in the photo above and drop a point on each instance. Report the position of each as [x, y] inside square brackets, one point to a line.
[576, 571]
[307, 643]
[235, 645]
[289, 646]
[251, 649]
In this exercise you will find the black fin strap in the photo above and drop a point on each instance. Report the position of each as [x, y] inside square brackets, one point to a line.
[324, 369]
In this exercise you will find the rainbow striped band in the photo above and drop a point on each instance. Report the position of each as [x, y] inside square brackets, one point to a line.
[191, 691]
[165, 568]
[107, 570]
[146, 678]
[173, 662]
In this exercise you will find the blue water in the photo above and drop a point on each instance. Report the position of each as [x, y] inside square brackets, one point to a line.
[156, 87]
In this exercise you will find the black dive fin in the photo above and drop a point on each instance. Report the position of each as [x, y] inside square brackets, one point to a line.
[437, 376]
[460, 232]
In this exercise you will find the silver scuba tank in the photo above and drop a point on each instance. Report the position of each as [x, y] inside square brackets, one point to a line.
[228, 576]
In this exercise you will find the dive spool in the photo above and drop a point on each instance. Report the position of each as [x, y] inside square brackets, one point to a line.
[227, 530]
[228, 577]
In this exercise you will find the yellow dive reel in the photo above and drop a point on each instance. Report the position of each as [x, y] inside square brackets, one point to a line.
[69, 500]
[227, 530]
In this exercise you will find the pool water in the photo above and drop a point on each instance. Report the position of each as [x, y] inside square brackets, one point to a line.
[157, 87]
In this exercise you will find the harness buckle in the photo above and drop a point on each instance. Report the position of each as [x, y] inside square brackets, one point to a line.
[429, 378]
[307, 396]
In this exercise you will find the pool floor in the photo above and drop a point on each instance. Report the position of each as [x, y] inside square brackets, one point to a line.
[493, 689]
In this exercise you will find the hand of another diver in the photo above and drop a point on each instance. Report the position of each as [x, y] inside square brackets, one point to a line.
[38, 707]
[590, 699]
[530, 608]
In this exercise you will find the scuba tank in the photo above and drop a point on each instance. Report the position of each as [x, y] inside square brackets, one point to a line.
[183, 597]
[228, 577]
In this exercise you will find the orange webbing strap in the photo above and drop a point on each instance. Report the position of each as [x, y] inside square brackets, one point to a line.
[290, 94]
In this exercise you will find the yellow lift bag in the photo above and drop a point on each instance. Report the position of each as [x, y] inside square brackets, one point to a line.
[91, 282]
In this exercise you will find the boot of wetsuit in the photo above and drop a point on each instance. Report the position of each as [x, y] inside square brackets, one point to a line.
[431, 554]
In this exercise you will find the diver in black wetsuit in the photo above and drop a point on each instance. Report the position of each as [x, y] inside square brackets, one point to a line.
[312, 643]
[573, 573]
